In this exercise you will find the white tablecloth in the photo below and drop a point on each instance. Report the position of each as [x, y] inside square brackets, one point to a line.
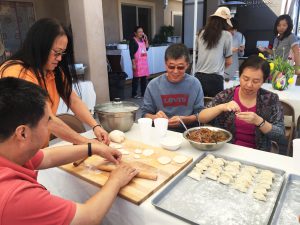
[123, 212]
[291, 95]
[87, 94]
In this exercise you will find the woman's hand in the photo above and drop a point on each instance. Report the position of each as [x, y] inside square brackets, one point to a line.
[101, 135]
[133, 66]
[235, 50]
[231, 107]
[112, 155]
[262, 49]
[145, 37]
[249, 117]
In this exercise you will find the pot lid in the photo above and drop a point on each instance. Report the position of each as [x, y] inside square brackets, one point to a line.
[117, 106]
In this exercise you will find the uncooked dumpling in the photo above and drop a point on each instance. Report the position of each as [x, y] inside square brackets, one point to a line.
[117, 136]
[259, 196]
[195, 175]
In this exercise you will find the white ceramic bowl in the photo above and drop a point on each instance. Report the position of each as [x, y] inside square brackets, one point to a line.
[171, 143]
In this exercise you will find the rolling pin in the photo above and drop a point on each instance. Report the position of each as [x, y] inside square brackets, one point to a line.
[78, 162]
[141, 174]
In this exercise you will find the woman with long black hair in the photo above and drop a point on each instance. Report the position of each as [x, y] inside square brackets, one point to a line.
[214, 45]
[46, 59]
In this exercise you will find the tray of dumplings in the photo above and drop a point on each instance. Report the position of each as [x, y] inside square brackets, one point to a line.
[288, 208]
[217, 190]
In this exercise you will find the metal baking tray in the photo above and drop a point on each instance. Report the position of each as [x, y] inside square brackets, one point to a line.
[211, 203]
[288, 207]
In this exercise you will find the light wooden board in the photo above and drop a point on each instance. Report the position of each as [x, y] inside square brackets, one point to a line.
[138, 190]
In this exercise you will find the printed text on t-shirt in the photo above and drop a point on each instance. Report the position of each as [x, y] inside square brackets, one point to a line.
[175, 100]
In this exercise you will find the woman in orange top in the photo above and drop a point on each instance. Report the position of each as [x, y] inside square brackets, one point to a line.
[46, 59]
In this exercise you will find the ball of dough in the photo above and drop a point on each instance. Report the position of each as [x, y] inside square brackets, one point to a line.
[117, 136]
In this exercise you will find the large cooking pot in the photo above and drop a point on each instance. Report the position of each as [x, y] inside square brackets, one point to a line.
[117, 115]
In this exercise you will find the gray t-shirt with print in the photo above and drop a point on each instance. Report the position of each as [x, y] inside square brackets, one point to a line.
[212, 61]
[174, 99]
[282, 47]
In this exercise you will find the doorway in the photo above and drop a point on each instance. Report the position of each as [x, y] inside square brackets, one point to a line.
[132, 16]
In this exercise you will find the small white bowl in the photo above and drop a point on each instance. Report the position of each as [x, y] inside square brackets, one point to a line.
[171, 143]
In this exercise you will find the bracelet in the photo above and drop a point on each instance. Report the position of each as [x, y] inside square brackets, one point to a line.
[98, 125]
[261, 124]
[90, 150]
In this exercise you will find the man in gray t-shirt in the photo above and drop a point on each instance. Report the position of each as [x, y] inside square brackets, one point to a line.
[174, 95]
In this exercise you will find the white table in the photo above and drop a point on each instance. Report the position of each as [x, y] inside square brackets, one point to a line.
[290, 95]
[123, 212]
[87, 94]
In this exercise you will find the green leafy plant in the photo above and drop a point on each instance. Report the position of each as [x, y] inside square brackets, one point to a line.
[164, 33]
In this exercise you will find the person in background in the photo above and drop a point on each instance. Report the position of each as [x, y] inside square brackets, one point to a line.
[175, 94]
[285, 43]
[238, 49]
[253, 115]
[46, 59]
[24, 117]
[214, 45]
[138, 46]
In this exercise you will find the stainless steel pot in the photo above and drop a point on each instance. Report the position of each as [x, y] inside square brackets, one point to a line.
[117, 115]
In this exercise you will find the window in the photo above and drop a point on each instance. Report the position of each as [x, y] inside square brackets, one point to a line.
[133, 16]
[15, 20]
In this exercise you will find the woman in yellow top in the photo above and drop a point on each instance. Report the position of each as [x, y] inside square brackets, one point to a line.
[46, 59]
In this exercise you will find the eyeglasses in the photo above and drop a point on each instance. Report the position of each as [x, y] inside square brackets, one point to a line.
[58, 53]
[172, 67]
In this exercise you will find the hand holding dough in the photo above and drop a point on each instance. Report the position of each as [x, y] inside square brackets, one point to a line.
[117, 136]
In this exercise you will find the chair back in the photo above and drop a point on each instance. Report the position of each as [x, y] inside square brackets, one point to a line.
[289, 123]
[207, 100]
[74, 123]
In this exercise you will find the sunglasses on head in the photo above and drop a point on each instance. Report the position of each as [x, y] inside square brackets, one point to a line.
[172, 67]
[58, 53]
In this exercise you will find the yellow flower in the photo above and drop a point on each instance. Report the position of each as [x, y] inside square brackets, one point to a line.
[278, 85]
[291, 80]
[261, 55]
[271, 66]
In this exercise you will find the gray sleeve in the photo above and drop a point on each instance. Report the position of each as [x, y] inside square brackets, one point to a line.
[199, 103]
[227, 44]
[293, 40]
[148, 104]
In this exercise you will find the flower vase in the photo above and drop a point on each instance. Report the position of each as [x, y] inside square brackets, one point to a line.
[279, 81]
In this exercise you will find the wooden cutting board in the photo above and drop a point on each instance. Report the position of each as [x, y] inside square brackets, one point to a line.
[138, 190]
